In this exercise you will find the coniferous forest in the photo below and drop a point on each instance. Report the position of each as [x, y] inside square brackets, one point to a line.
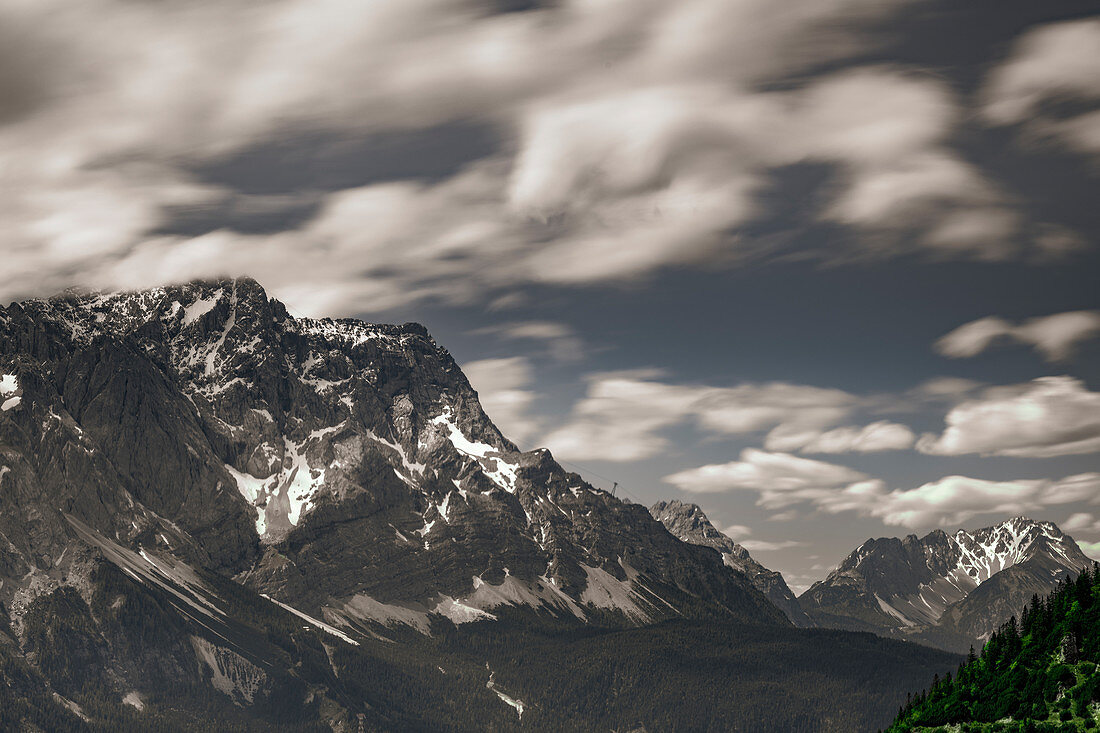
[1036, 673]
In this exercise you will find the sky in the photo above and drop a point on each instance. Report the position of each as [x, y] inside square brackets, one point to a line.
[828, 268]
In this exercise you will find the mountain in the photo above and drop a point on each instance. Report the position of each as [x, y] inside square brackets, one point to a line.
[1036, 673]
[690, 524]
[217, 515]
[344, 468]
[948, 590]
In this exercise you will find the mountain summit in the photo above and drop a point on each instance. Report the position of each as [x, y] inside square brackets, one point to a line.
[220, 516]
[949, 590]
[690, 524]
[341, 467]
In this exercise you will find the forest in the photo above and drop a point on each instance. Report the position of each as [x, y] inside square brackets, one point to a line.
[1036, 673]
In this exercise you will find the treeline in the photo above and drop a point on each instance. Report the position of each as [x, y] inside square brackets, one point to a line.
[1038, 673]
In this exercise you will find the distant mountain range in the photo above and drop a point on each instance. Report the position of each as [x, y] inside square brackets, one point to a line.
[211, 505]
[219, 516]
[946, 590]
[949, 591]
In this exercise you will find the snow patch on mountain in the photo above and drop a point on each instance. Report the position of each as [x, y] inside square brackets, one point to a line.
[314, 622]
[9, 389]
[460, 613]
[201, 307]
[459, 440]
[518, 704]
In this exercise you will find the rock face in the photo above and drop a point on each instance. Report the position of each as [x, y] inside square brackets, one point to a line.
[690, 524]
[947, 590]
[217, 516]
[344, 468]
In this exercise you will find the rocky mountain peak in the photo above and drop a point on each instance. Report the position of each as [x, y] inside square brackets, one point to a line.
[963, 580]
[689, 523]
[683, 519]
[343, 467]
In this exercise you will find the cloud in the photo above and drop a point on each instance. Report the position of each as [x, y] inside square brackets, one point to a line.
[780, 479]
[1082, 522]
[1050, 416]
[735, 531]
[873, 438]
[973, 338]
[953, 500]
[767, 546]
[780, 406]
[1053, 336]
[937, 391]
[1092, 549]
[623, 414]
[562, 342]
[502, 389]
[630, 137]
[620, 417]
[1053, 63]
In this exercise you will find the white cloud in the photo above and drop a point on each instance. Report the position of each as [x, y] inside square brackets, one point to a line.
[562, 341]
[1050, 416]
[948, 389]
[779, 406]
[1082, 522]
[1090, 525]
[635, 137]
[735, 531]
[623, 414]
[875, 437]
[1054, 336]
[1051, 63]
[501, 385]
[620, 417]
[769, 546]
[953, 500]
[971, 339]
[780, 479]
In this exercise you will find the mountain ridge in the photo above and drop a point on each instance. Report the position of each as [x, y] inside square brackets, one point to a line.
[274, 440]
[946, 589]
[218, 515]
[691, 524]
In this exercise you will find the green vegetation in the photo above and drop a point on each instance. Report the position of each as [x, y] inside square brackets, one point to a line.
[1036, 674]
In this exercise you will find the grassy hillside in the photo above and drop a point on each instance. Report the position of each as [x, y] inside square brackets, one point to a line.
[1038, 673]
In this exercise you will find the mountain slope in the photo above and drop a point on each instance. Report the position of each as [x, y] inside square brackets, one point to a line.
[1038, 673]
[690, 524]
[948, 590]
[217, 516]
[344, 468]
